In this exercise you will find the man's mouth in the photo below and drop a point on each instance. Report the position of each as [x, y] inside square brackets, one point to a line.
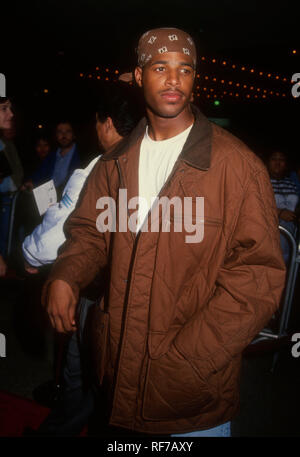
[171, 95]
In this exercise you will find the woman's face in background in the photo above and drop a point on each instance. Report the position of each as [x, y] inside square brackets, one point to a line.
[42, 148]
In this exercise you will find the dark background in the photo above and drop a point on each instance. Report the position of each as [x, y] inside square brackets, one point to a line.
[48, 44]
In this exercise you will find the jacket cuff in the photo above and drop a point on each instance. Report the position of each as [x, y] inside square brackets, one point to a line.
[74, 287]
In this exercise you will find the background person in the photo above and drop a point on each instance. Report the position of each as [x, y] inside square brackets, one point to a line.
[61, 162]
[11, 174]
[286, 196]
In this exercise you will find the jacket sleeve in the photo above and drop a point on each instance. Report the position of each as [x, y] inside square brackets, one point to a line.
[84, 253]
[248, 287]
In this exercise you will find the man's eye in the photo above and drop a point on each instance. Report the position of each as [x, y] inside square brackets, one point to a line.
[159, 69]
[186, 71]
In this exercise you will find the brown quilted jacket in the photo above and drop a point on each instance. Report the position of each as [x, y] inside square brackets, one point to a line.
[180, 314]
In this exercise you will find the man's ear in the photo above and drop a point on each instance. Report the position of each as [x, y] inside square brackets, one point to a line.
[109, 123]
[138, 73]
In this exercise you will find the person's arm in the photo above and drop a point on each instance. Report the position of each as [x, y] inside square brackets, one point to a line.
[83, 256]
[249, 284]
[41, 247]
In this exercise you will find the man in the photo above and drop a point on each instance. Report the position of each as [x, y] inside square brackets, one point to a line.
[179, 310]
[59, 164]
[116, 116]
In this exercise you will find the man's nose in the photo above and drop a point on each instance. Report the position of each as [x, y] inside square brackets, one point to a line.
[173, 77]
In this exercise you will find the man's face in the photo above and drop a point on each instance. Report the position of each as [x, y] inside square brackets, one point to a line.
[167, 81]
[64, 135]
[6, 115]
[277, 165]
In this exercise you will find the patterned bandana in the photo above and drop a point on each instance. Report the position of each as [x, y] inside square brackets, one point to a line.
[158, 41]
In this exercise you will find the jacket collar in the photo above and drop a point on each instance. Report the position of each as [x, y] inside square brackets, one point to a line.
[196, 150]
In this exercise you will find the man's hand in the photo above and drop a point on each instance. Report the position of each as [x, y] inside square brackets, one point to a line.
[60, 304]
[30, 269]
[28, 185]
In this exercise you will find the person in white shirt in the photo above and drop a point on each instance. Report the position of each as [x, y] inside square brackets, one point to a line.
[116, 115]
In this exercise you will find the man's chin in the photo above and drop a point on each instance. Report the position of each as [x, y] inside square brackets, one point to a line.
[170, 113]
[65, 145]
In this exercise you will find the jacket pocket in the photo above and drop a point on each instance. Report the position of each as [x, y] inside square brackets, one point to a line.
[174, 389]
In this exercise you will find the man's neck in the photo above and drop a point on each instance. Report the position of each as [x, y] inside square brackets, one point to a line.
[161, 128]
[64, 151]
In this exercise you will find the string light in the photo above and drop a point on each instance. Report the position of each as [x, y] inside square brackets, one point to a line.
[210, 91]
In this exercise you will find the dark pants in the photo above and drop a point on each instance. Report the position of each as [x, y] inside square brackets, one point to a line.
[77, 401]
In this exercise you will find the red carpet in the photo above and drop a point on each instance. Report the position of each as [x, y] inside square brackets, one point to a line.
[17, 413]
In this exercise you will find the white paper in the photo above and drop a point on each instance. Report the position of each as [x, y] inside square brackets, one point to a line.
[45, 196]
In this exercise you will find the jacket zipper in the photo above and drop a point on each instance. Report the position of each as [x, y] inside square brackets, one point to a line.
[135, 243]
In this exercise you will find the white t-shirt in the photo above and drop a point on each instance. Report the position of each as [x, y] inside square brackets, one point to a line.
[156, 162]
